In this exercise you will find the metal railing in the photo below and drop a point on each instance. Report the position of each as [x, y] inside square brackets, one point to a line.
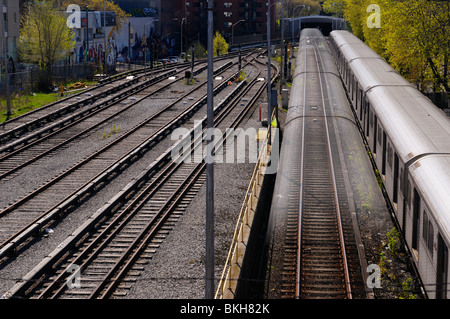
[231, 272]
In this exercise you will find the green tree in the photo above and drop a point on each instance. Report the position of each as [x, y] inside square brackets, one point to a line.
[199, 50]
[220, 46]
[335, 7]
[293, 10]
[414, 36]
[44, 38]
[417, 40]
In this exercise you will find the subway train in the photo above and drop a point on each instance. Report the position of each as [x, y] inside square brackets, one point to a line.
[409, 138]
[359, 192]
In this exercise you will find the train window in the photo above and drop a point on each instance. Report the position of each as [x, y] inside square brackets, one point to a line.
[427, 232]
[371, 117]
[380, 130]
[367, 118]
[408, 193]
[375, 135]
[383, 162]
[402, 182]
[389, 155]
[416, 210]
[442, 269]
[395, 195]
[361, 113]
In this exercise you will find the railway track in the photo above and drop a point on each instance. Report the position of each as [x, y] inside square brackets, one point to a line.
[317, 266]
[37, 119]
[40, 118]
[106, 249]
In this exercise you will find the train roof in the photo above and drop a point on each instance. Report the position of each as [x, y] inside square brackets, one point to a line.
[342, 37]
[411, 121]
[375, 72]
[416, 125]
[437, 193]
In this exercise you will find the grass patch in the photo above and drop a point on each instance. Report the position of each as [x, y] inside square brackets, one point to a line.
[21, 104]
[24, 103]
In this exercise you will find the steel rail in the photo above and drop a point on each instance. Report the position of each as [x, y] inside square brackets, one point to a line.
[135, 205]
[330, 154]
[34, 226]
[299, 283]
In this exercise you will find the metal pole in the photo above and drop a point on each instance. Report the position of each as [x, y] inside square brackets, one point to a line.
[129, 45]
[269, 86]
[181, 41]
[282, 45]
[104, 36]
[209, 288]
[5, 52]
[87, 33]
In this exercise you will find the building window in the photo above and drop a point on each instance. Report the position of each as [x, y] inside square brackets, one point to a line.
[227, 14]
[227, 4]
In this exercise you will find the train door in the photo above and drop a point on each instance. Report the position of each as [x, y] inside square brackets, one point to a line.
[361, 114]
[383, 162]
[442, 269]
[374, 149]
[395, 195]
[368, 119]
[415, 228]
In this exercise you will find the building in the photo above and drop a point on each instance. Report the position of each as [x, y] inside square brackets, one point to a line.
[96, 32]
[9, 27]
[238, 21]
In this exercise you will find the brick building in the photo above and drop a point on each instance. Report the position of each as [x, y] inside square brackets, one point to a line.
[238, 20]
[9, 27]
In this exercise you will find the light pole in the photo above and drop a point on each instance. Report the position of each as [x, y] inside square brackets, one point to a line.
[104, 36]
[269, 82]
[87, 33]
[209, 231]
[232, 31]
[302, 6]
[5, 52]
[181, 40]
[145, 51]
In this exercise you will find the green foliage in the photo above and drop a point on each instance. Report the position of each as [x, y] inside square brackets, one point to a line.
[242, 76]
[311, 7]
[112, 131]
[407, 288]
[97, 5]
[393, 239]
[199, 50]
[382, 263]
[45, 38]
[414, 36]
[220, 46]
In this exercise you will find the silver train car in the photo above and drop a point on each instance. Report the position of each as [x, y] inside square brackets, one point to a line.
[409, 138]
[361, 192]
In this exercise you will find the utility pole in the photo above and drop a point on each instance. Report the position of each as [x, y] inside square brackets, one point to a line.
[104, 38]
[269, 84]
[129, 45]
[282, 45]
[209, 284]
[5, 52]
[87, 33]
